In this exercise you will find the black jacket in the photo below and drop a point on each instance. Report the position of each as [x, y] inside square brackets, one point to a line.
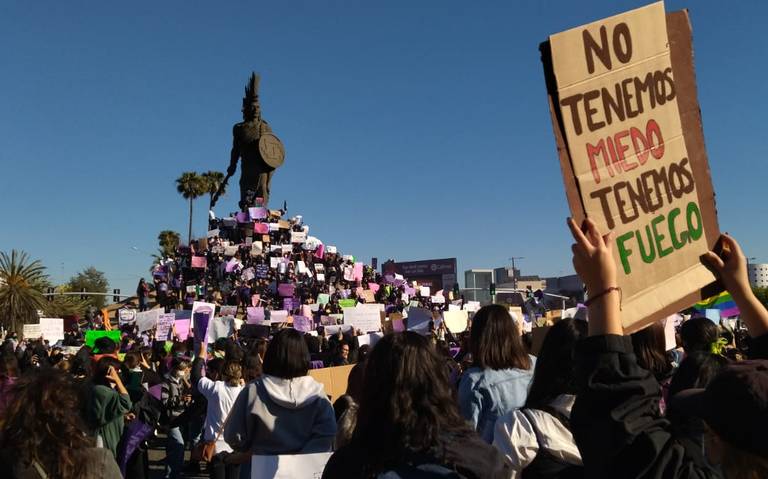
[465, 457]
[616, 420]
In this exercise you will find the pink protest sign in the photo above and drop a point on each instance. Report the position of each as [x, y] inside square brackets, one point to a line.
[257, 213]
[182, 328]
[199, 262]
[320, 251]
[261, 228]
[374, 287]
[232, 265]
[357, 272]
[255, 315]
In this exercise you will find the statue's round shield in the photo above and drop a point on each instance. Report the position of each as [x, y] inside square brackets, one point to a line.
[271, 149]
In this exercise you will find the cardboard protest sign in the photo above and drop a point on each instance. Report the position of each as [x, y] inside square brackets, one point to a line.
[31, 331]
[628, 130]
[456, 320]
[52, 329]
[302, 323]
[298, 237]
[202, 315]
[334, 379]
[164, 327]
[368, 296]
[290, 466]
[364, 319]
[92, 335]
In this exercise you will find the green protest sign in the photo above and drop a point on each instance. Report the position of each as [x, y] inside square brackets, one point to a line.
[93, 335]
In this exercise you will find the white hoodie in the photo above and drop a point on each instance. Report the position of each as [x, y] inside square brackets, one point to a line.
[293, 393]
[274, 416]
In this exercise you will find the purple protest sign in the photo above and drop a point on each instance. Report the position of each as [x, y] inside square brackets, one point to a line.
[302, 323]
[289, 304]
[255, 315]
[202, 314]
[257, 213]
[135, 432]
[286, 289]
[241, 217]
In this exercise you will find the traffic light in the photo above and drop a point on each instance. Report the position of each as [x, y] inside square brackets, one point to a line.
[116, 296]
[493, 289]
[83, 296]
[50, 294]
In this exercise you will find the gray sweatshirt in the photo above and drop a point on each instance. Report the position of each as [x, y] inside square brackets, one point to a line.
[282, 416]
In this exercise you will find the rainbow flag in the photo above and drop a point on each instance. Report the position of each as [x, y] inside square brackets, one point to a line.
[723, 302]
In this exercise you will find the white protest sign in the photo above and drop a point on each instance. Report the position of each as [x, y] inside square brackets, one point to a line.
[424, 291]
[278, 316]
[455, 320]
[52, 329]
[164, 324]
[670, 342]
[147, 320]
[369, 339]
[364, 319]
[126, 316]
[31, 331]
[294, 466]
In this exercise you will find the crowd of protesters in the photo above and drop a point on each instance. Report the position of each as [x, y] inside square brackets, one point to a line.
[591, 402]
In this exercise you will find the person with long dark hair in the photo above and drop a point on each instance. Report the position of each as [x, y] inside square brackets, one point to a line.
[42, 434]
[108, 403]
[408, 422]
[298, 416]
[501, 370]
[537, 438]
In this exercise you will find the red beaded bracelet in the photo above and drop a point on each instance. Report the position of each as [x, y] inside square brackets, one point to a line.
[600, 295]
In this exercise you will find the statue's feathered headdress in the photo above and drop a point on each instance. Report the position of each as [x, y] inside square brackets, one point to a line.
[252, 90]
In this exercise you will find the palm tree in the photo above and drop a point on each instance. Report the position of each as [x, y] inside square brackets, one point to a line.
[169, 241]
[213, 181]
[190, 185]
[21, 289]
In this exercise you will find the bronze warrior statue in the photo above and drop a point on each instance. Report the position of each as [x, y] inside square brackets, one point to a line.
[261, 151]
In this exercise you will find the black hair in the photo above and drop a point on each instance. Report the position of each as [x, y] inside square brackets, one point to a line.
[696, 371]
[105, 345]
[494, 340]
[698, 334]
[555, 371]
[287, 355]
[649, 347]
[407, 402]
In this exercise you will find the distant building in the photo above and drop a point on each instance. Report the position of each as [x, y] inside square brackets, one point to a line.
[478, 283]
[436, 273]
[758, 274]
[570, 286]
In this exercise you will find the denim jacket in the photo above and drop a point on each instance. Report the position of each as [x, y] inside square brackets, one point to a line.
[487, 394]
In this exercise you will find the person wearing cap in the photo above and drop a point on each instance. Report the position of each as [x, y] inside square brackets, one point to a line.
[615, 419]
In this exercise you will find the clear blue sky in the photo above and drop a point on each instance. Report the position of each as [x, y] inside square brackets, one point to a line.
[413, 129]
